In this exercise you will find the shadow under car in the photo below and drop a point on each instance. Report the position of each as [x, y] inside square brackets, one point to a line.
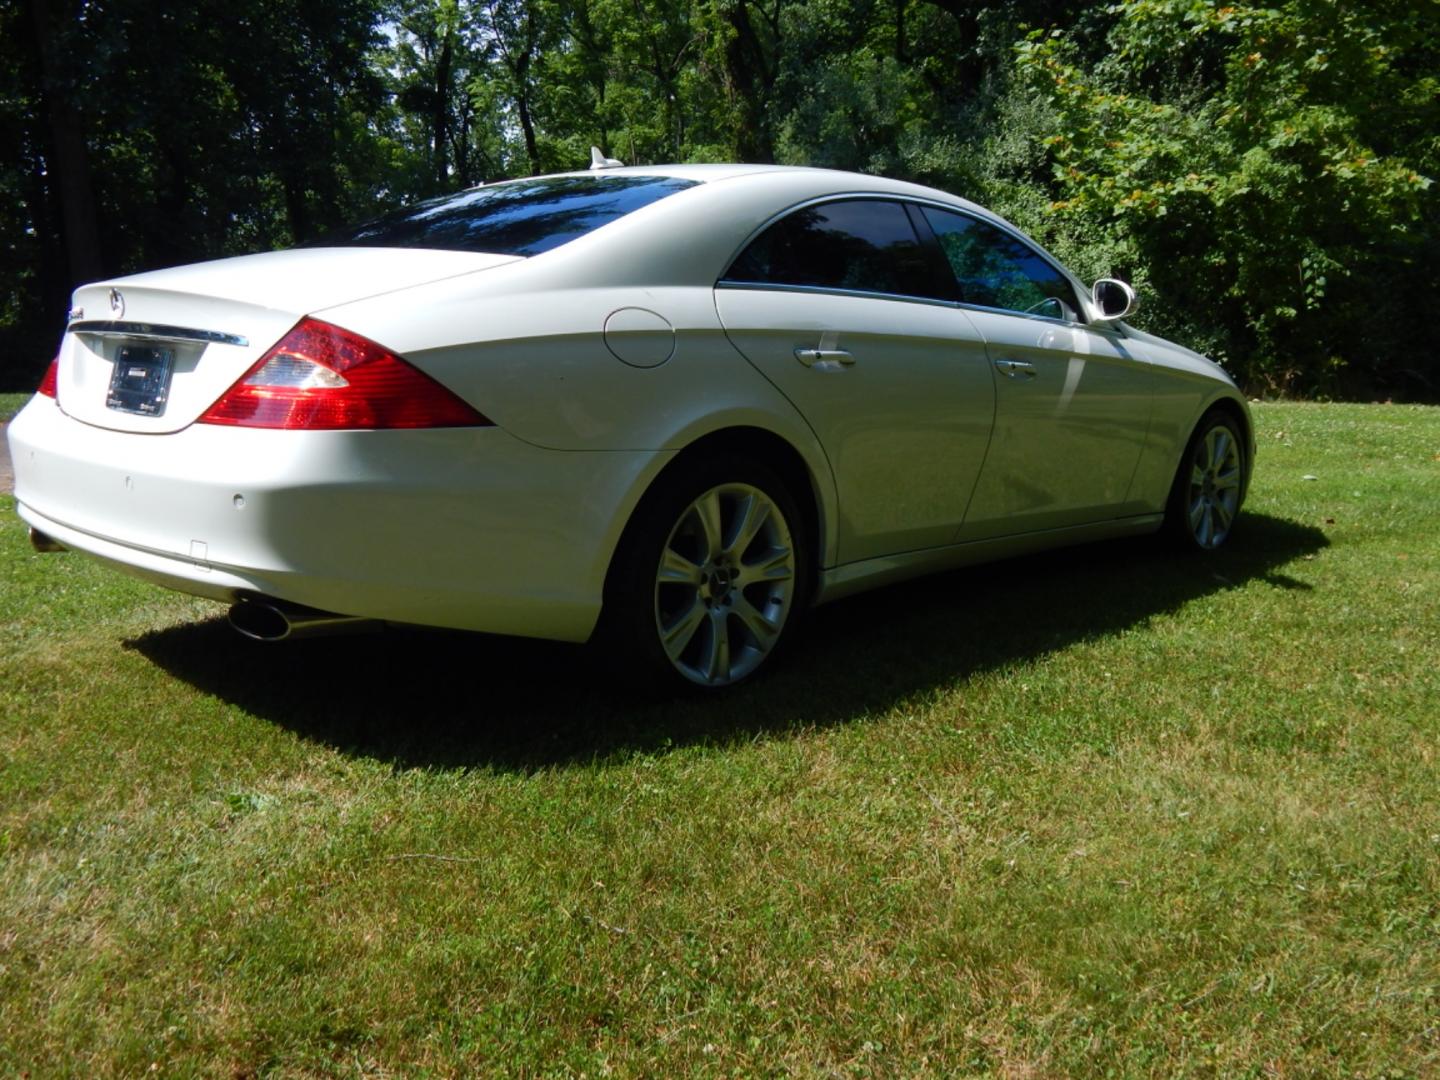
[426, 698]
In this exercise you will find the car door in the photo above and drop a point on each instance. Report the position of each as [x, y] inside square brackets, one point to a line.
[849, 315]
[1072, 401]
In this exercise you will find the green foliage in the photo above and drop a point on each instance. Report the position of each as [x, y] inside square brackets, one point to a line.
[1262, 174]
[1268, 167]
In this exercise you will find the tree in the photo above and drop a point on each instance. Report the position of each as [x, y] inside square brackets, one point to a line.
[1268, 170]
[513, 34]
[1263, 173]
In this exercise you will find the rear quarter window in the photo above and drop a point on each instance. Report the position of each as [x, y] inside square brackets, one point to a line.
[861, 245]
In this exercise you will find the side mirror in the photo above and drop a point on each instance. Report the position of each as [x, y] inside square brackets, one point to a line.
[1114, 299]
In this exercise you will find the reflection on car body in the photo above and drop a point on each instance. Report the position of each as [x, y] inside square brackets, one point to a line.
[665, 408]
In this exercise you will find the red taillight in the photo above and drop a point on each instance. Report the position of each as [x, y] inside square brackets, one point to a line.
[52, 375]
[321, 377]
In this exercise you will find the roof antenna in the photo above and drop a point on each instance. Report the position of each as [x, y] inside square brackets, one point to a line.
[600, 161]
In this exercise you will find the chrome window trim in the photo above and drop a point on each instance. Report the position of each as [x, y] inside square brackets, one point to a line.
[826, 290]
[1109, 330]
[154, 332]
[861, 294]
[1031, 315]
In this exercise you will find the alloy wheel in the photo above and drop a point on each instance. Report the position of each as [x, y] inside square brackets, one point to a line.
[725, 584]
[1214, 487]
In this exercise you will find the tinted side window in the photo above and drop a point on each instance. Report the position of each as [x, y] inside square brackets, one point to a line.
[864, 244]
[995, 269]
[522, 217]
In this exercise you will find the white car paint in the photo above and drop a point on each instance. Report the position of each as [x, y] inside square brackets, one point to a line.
[598, 362]
[254, 297]
[468, 528]
[905, 421]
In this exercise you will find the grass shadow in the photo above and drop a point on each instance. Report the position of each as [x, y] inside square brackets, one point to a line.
[422, 699]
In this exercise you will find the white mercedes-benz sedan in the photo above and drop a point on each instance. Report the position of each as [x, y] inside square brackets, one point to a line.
[666, 408]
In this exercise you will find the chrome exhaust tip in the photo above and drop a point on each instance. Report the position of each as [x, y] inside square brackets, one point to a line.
[273, 620]
[45, 543]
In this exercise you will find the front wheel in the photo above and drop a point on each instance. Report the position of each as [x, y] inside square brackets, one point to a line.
[710, 578]
[1209, 485]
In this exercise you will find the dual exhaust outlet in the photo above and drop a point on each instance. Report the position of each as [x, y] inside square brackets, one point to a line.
[262, 619]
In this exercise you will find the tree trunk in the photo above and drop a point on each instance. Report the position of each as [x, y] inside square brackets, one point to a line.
[750, 77]
[594, 53]
[69, 159]
[527, 126]
[52, 282]
[296, 208]
[441, 117]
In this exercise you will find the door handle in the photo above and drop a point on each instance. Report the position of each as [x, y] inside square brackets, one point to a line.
[824, 358]
[1016, 369]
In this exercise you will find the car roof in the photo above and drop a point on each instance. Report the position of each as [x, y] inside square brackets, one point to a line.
[746, 195]
[700, 173]
[686, 240]
[726, 206]
[759, 175]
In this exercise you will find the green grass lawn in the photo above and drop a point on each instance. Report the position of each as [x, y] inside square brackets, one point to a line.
[1109, 811]
[10, 404]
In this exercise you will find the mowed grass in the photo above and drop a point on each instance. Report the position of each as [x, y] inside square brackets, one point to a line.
[1110, 811]
[10, 404]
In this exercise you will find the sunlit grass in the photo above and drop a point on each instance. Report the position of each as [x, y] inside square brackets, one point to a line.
[1102, 811]
[10, 404]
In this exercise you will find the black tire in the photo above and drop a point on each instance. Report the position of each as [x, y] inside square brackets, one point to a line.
[717, 606]
[1209, 486]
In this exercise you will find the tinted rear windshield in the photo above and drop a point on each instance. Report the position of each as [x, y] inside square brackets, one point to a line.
[522, 217]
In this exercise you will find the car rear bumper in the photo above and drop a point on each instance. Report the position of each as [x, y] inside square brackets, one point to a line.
[465, 527]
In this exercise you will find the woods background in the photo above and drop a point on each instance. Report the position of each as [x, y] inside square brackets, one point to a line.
[1262, 174]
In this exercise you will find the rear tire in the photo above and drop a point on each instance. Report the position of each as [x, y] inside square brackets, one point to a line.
[1209, 485]
[710, 579]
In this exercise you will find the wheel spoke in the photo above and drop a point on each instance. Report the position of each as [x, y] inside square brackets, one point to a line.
[717, 658]
[707, 510]
[1219, 446]
[1223, 513]
[1231, 479]
[678, 635]
[1207, 527]
[1224, 449]
[775, 566]
[1197, 476]
[755, 510]
[676, 569]
[1197, 514]
[761, 628]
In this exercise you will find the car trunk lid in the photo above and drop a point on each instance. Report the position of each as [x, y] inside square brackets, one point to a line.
[149, 353]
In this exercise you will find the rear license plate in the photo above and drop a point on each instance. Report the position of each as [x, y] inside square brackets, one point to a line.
[141, 380]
